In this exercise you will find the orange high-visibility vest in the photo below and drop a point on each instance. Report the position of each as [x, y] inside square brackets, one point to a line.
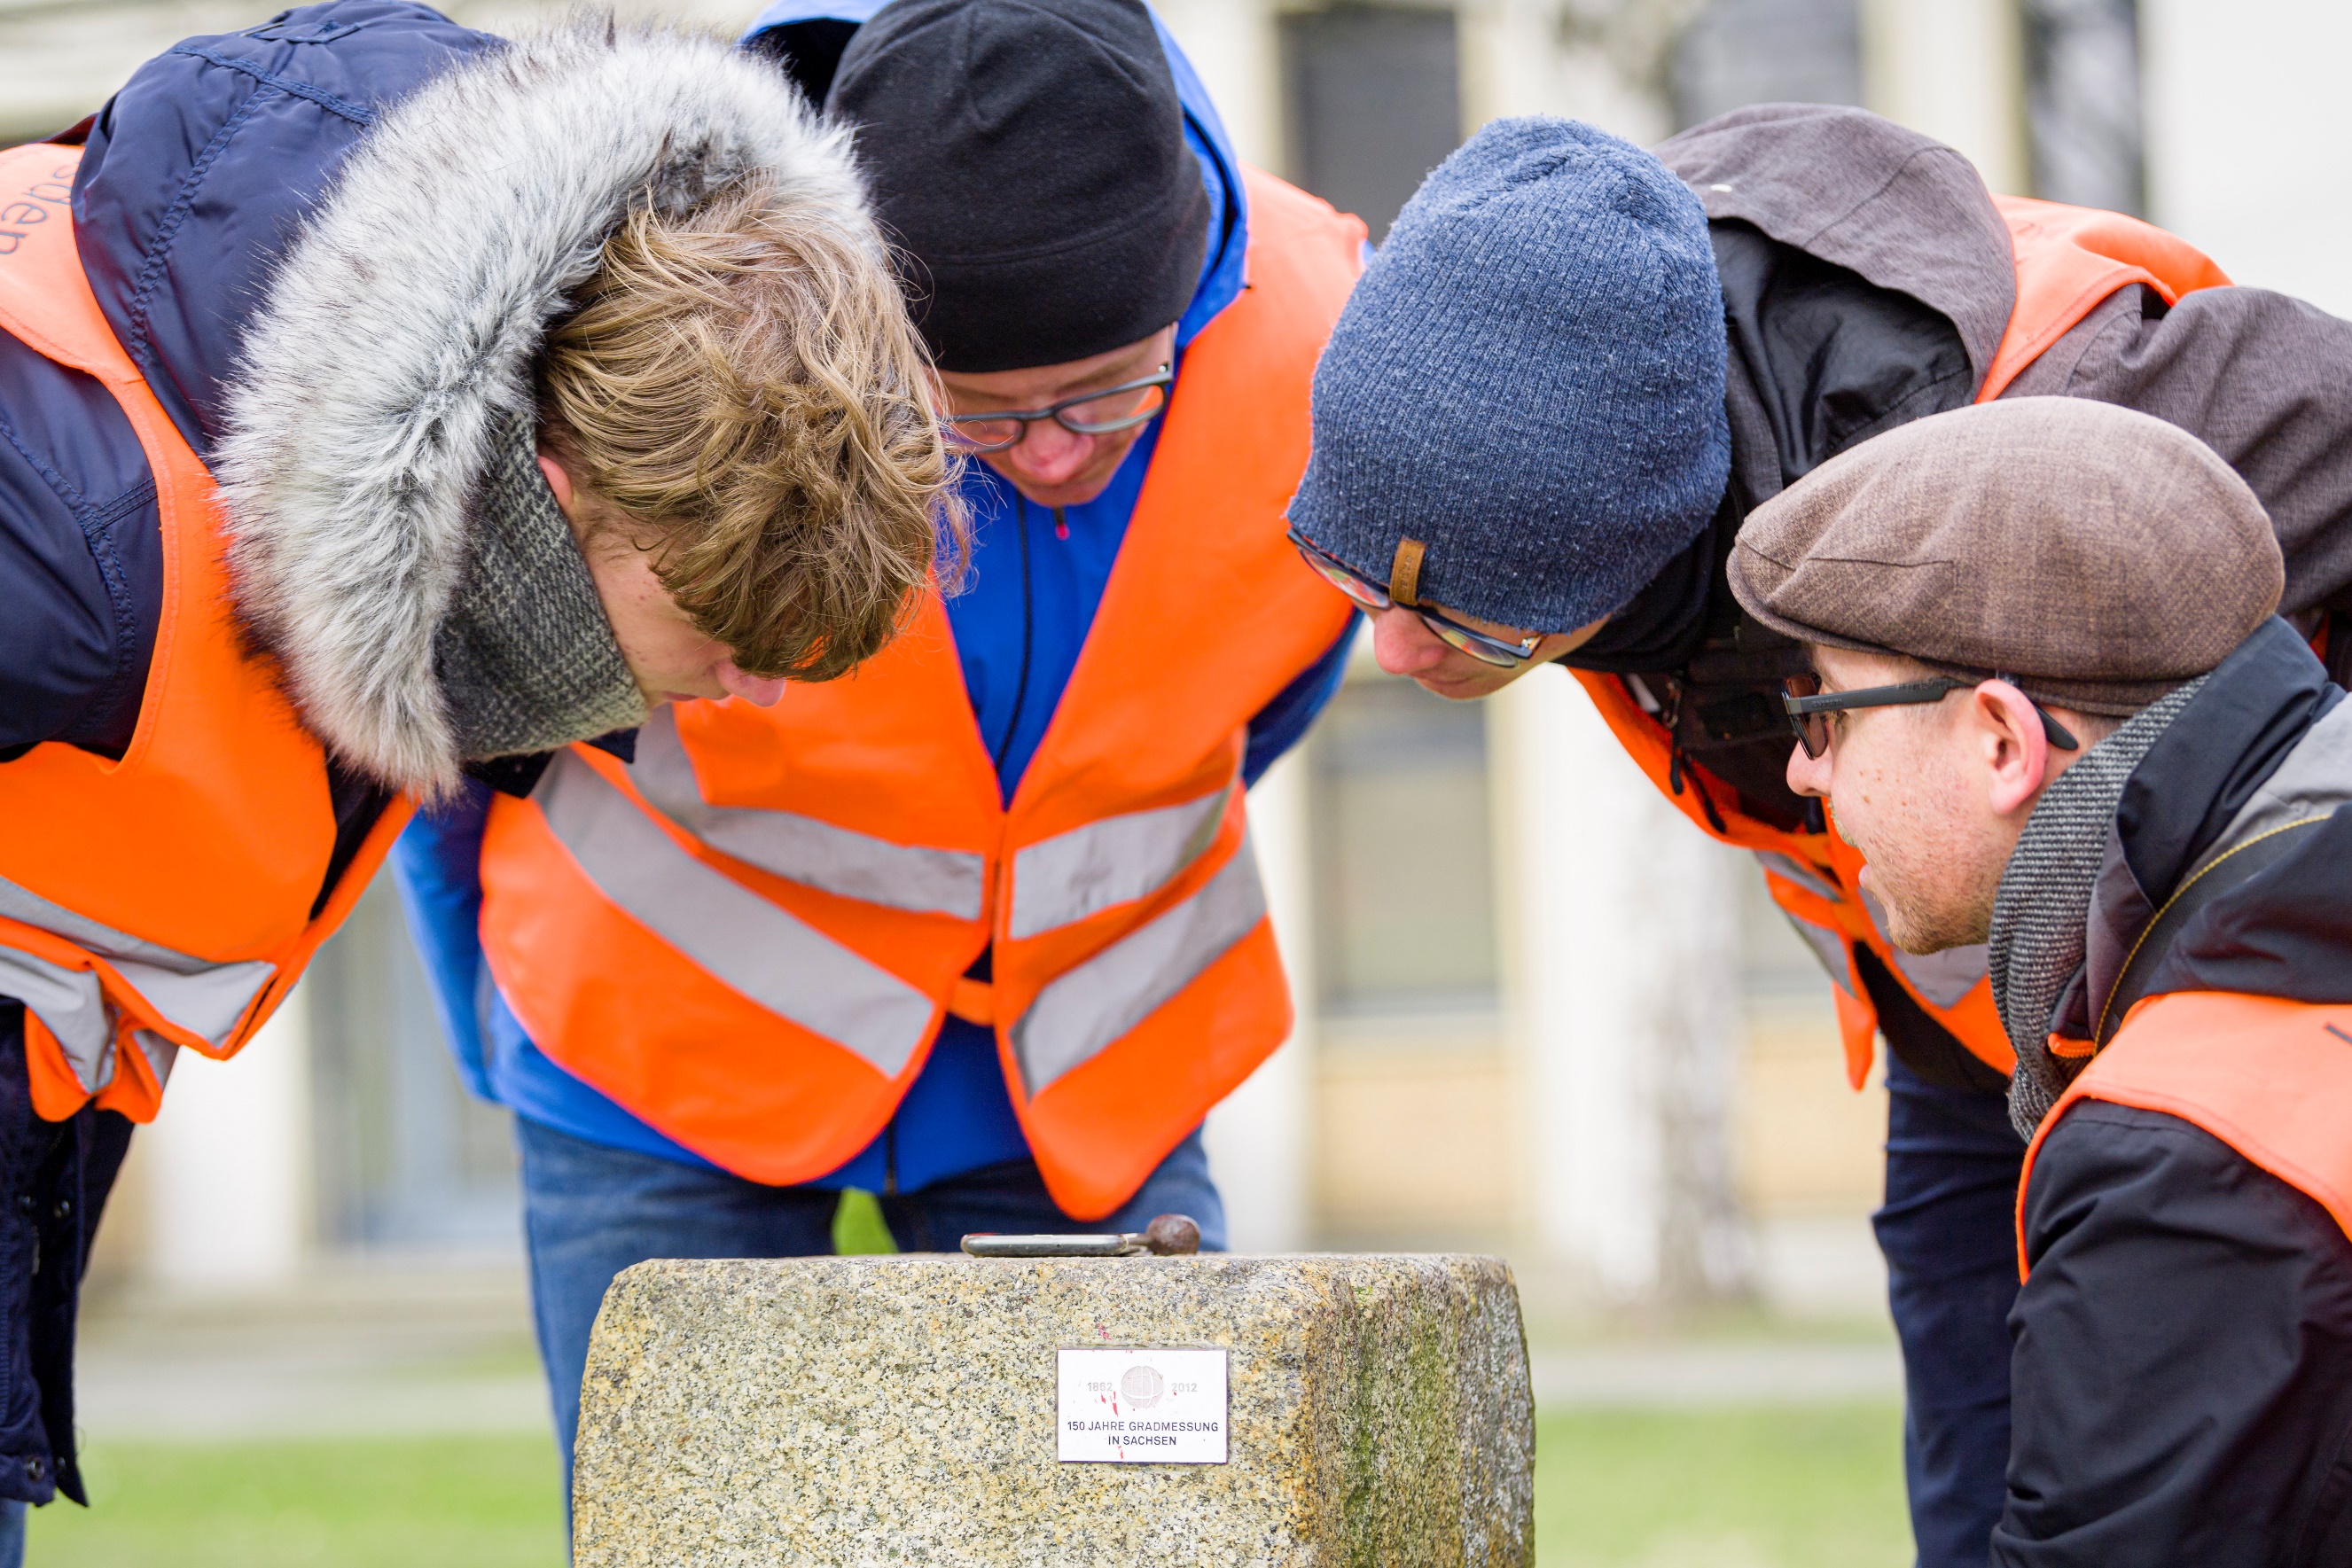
[163, 900]
[750, 935]
[2068, 260]
[2271, 1078]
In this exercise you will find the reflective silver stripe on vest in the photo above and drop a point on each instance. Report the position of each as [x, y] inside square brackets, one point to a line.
[1828, 944]
[773, 957]
[1829, 947]
[1115, 860]
[70, 1004]
[199, 995]
[160, 1054]
[805, 848]
[1946, 976]
[1094, 1004]
[1942, 977]
[1789, 868]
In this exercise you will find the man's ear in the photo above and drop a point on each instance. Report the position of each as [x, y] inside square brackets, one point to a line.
[560, 483]
[2009, 736]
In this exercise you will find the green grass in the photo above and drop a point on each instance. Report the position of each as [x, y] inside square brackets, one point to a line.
[859, 1229]
[1820, 1487]
[1810, 1488]
[391, 1502]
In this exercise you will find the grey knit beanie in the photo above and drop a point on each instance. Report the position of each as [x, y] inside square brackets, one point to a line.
[1528, 382]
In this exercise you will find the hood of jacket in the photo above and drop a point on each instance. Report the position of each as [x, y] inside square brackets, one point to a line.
[348, 349]
[1902, 210]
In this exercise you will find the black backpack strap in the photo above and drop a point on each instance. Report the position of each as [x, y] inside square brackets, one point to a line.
[2225, 873]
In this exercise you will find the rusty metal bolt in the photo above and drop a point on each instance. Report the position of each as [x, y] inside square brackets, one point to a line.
[1172, 1236]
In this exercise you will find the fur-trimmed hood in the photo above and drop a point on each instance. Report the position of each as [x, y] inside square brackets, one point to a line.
[398, 333]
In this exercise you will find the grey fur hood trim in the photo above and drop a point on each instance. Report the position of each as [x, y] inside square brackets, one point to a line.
[401, 328]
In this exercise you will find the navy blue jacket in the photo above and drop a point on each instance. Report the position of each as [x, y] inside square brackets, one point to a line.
[193, 181]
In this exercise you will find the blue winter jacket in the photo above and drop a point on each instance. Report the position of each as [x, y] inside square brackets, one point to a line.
[1037, 577]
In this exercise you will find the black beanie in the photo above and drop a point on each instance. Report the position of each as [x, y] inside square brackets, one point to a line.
[1029, 157]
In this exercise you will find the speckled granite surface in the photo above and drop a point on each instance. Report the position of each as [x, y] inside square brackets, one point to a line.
[901, 1410]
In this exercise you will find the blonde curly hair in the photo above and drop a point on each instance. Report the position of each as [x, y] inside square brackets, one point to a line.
[741, 393]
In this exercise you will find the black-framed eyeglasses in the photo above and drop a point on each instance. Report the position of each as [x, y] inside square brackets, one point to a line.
[1105, 413]
[1809, 708]
[1479, 645]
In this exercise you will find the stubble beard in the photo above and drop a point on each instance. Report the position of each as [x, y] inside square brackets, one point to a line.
[1956, 914]
[1934, 886]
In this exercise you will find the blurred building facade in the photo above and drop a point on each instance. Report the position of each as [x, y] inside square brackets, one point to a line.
[1539, 1012]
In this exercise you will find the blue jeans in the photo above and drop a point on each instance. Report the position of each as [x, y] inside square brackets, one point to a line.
[1948, 1231]
[12, 1532]
[589, 1211]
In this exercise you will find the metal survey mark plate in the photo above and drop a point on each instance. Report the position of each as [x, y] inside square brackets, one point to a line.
[1141, 1406]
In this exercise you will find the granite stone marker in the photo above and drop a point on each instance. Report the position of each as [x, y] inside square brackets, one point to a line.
[1293, 1410]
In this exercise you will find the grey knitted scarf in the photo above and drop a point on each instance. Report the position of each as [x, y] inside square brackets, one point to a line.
[2043, 907]
[526, 658]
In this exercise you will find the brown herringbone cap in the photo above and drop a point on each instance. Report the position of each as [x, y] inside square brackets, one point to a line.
[2100, 556]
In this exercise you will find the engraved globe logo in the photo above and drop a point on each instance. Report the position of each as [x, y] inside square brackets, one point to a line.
[1141, 1386]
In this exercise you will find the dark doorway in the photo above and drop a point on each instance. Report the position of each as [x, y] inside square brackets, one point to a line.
[1375, 102]
[1739, 52]
[2082, 102]
[1404, 853]
[406, 1158]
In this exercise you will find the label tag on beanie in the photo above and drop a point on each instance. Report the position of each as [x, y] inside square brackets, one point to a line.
[1404, 573]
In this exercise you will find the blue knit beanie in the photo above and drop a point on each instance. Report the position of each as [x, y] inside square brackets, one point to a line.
[1528, 380]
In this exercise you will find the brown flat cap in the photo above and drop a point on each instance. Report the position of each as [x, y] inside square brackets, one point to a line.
[2100, 556]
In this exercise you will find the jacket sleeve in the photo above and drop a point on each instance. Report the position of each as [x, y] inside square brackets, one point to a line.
[2264, 379]
[2182, 1378]
[437, 864]
[1281, 723]
[81, 560]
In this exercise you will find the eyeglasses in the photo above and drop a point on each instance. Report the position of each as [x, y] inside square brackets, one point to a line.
[1809, 708]
[1122, 407]
[1479, 645]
